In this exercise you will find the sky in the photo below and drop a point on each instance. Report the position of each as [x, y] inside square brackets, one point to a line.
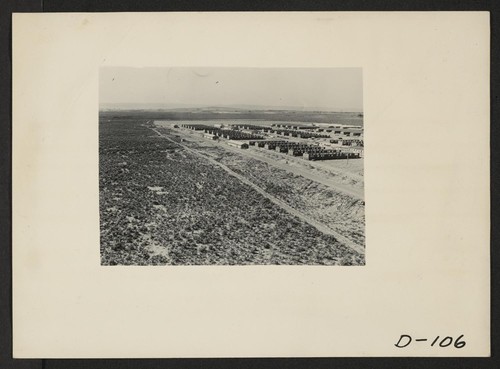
[338, 89]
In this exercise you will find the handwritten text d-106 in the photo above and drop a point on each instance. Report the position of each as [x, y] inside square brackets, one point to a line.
[405, 340]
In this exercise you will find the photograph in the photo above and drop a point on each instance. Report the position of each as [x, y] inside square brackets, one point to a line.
[231, 166]
[251, 185]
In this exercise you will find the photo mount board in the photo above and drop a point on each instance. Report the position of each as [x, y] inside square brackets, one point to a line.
[426, 108]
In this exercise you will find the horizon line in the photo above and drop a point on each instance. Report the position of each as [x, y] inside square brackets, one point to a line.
[236, 106]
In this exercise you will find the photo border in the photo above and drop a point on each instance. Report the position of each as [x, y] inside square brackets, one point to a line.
[108, 6]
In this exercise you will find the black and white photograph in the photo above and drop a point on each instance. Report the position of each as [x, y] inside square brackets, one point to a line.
[231, 166]
[251, 185]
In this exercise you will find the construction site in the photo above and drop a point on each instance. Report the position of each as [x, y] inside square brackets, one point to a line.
[310, 142]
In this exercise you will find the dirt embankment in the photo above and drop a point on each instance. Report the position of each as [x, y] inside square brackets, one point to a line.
[337, 210]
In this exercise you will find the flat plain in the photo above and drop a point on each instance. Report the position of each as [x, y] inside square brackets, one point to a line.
[169, 196]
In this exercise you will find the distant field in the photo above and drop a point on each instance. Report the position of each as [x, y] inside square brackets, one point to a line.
[273, 115]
